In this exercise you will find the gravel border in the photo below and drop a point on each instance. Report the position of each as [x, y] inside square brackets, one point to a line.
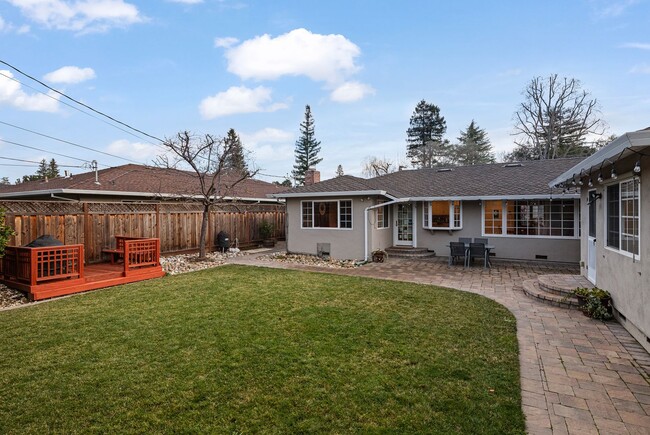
[309, 260]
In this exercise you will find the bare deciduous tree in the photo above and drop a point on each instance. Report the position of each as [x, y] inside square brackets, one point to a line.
[554, 120]
[374, 167]
[207, 156]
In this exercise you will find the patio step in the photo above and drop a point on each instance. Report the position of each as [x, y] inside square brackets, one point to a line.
[534, 289]
[409, 252]
[563, 284]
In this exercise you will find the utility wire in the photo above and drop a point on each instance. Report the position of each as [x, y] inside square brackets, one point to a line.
[68, 142]
[37, 163]
[45, 151]
[79, 102]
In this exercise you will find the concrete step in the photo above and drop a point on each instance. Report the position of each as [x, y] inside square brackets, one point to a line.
[533, 289]
[408, 252]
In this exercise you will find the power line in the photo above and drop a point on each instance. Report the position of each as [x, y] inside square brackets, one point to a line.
[45, 151]
[37, 163]
[79, 102]
[78, 109]
[68, 142]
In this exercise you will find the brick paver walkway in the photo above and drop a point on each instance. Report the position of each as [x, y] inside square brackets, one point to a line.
[578, 375]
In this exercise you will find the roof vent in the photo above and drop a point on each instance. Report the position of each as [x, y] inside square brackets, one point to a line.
[513, 165]
[444, 170]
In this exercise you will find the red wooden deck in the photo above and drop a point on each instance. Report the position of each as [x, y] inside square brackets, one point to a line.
[56, 271]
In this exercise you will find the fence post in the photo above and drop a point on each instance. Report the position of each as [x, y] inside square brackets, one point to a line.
[33, 267]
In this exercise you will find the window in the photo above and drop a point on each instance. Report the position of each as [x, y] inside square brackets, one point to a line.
[382, 215]
[327, 214]
[442, 215]
[623, 216]
[552, 218]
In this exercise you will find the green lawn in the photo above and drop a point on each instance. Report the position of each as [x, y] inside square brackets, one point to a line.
[244, 350]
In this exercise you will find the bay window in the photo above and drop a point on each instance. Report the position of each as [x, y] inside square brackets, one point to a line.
[442, 215]
[327, 214]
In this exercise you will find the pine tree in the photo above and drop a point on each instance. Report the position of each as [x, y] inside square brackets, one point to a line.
[425, 145]
[53, 169]
[339, 171]
[235, 152]
[307, 149]
[42, 170]
[473, 147]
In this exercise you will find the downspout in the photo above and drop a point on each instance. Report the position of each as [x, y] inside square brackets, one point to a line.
[365, 221]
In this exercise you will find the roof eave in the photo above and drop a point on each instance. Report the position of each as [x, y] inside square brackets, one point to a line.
[331, 194]
[628, 142]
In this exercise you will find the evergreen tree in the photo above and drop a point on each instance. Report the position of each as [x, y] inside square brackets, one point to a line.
[425, 145]
[235, 152]
[307, 149]
[52, 169]
[285, 183]
[339, 171]
[473, 147]
[43, 170]
[4, 181]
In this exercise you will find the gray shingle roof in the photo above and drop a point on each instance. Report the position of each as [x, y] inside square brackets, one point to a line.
[527, 178]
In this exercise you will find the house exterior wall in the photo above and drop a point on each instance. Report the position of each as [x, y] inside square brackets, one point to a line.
[506, 247]
[344, 243]
[626, 278]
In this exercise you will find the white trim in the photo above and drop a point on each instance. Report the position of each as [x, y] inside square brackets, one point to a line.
[338, 215]
[496, 197]
[452, 217]
[330, 194]
[619, 250]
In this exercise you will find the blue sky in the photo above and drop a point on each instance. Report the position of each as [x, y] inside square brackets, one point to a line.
[207, 66]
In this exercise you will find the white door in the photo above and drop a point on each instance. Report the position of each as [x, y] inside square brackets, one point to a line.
[591, 238]
[403, 229]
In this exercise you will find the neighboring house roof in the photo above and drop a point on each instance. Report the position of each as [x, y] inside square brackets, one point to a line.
[621, 147]
[499, 180]
[138, 181]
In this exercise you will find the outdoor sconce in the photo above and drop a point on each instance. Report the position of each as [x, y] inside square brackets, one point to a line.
[637, 167]
[614, 176]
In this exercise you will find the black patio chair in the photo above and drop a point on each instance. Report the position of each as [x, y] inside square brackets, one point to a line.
[477, 250]
[480, 240]
[457, 250]
[465, 240]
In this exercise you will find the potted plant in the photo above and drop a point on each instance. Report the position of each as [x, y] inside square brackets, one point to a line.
[379, 256]
[266, 233]
[594, 302]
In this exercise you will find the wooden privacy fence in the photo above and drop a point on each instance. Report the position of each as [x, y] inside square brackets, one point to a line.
[177, 225]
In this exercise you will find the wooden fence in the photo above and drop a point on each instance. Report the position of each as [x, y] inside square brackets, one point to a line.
[177, 225]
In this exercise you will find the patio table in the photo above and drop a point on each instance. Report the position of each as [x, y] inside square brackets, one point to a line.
[488, 249]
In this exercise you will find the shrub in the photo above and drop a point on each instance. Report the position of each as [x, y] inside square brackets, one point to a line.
[5, 233]
[266, 229]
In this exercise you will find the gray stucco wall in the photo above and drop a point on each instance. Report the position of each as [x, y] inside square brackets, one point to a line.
[506, 247]
[626, 278]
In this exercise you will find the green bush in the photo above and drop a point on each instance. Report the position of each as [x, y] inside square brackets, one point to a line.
[266, 230]
[5, 233]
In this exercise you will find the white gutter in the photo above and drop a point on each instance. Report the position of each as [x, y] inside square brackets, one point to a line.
[365, 221]
[330, 194]
[54, 192]
[492, 197]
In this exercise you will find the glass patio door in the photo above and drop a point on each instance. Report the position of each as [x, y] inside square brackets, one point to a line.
[403, 234]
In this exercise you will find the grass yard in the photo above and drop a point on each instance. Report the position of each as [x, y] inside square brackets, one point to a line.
[243, 350]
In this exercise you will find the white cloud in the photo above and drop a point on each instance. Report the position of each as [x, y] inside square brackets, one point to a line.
[641, 69]
[225, 42]
[11, 93]
[239, 99]
[134, 150]
[261, 144]
[186, 2]
[639, 45]
[80, 16]
[6, 27]
[70, 75]
[612, 9]
[351, 91]
[326, 58]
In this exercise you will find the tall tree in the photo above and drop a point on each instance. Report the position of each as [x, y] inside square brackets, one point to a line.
[206, 157]
[473, 146]
[52, 169]
[4, 181]
[43, 170]
[307, 149]
[236, 159]
[339, 171]
[555, 119]
[425, 145]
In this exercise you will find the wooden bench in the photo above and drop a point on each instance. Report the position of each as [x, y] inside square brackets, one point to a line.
[117, 253]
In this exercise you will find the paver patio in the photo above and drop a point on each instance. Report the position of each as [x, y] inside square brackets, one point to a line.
[578, 375]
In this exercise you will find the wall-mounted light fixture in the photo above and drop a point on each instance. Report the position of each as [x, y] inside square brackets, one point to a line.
[637, 167]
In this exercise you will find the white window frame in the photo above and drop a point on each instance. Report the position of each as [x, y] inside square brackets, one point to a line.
[384, 213]
[427, 215]
[338, 214]
[504, 221]
[619, 250]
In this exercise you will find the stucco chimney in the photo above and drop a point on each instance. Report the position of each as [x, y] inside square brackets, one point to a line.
[312, 176]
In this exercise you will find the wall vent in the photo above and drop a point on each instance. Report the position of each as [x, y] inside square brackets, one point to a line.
[513, 165]
[541, 257]
[444, 170]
